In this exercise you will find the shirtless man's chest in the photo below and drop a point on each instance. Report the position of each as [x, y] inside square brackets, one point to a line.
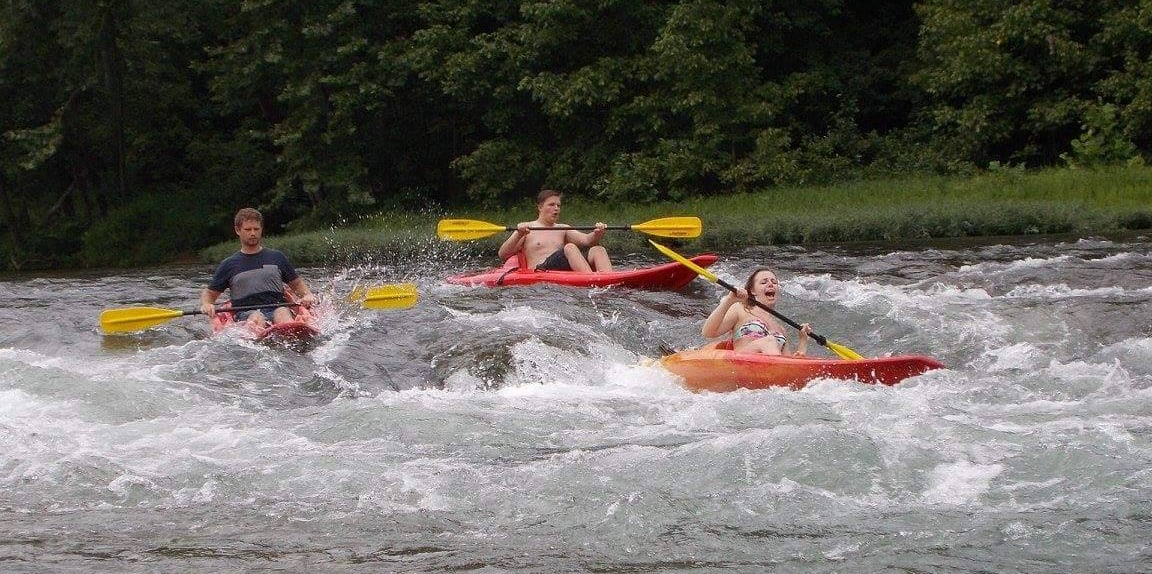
[540, 244]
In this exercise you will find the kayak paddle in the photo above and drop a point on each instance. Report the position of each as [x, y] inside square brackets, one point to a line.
[466, 229]
[841, 350]
[398, 296]
[138, 318]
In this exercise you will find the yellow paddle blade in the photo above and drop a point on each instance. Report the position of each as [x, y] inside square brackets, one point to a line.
[671, 227]
[398, 296]
[135, 318]
[685, 262]
[466, 229]
[842, 351]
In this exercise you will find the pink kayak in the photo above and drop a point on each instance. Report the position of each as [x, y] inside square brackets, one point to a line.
[665, 276]
[301, 330]
[718, 369]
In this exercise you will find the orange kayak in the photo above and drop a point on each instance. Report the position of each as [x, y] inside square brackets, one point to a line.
[721, 370]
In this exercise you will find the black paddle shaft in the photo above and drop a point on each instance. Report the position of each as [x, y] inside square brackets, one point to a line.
[243, 308]
[574, 227]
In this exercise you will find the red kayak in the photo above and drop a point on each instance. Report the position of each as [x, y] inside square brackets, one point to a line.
[514, 272]
[300, 330]
[718, 369]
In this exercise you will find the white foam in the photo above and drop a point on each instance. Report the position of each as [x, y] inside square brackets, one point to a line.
[900, 303]
[87, 366]
[1015, 357]
[960, 482]
[1026, 263]
[1060, 291]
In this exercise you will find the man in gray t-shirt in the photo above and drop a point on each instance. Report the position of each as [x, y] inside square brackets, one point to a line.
[255, 275]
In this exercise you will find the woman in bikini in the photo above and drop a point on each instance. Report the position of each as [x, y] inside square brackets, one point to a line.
[753, 329]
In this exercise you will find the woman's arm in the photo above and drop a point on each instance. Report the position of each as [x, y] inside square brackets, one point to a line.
[802, 342]
[722, 318]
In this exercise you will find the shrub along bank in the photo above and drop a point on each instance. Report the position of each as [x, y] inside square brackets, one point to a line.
[998, 203]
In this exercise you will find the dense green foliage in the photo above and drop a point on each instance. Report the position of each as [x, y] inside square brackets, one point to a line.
[134, 129]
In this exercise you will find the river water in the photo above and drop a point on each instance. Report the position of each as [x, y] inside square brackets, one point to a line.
[518, 430]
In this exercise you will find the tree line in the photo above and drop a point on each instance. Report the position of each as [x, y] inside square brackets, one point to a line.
[133, 129]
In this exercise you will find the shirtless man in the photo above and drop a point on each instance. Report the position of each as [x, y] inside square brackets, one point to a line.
[560, 248]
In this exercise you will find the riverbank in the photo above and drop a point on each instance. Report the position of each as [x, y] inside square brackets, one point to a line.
[1004, 202]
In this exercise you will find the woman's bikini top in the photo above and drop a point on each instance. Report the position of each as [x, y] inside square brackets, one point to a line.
[758, 329]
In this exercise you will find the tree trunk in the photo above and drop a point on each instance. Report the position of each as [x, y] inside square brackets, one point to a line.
[112, 64]
[11, 222]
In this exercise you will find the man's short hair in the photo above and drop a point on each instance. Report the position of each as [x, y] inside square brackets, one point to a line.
[247, 214]
[545, 194]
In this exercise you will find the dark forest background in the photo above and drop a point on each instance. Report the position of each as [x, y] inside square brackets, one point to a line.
[133, 129]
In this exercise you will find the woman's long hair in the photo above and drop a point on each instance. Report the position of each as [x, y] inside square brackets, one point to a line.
[748, 303]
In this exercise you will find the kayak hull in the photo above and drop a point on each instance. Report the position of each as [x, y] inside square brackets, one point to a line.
[722, 370]
[288, 333]
[665, 276]
[299, 331]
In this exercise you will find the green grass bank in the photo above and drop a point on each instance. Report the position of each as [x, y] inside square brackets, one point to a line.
[998, 203]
